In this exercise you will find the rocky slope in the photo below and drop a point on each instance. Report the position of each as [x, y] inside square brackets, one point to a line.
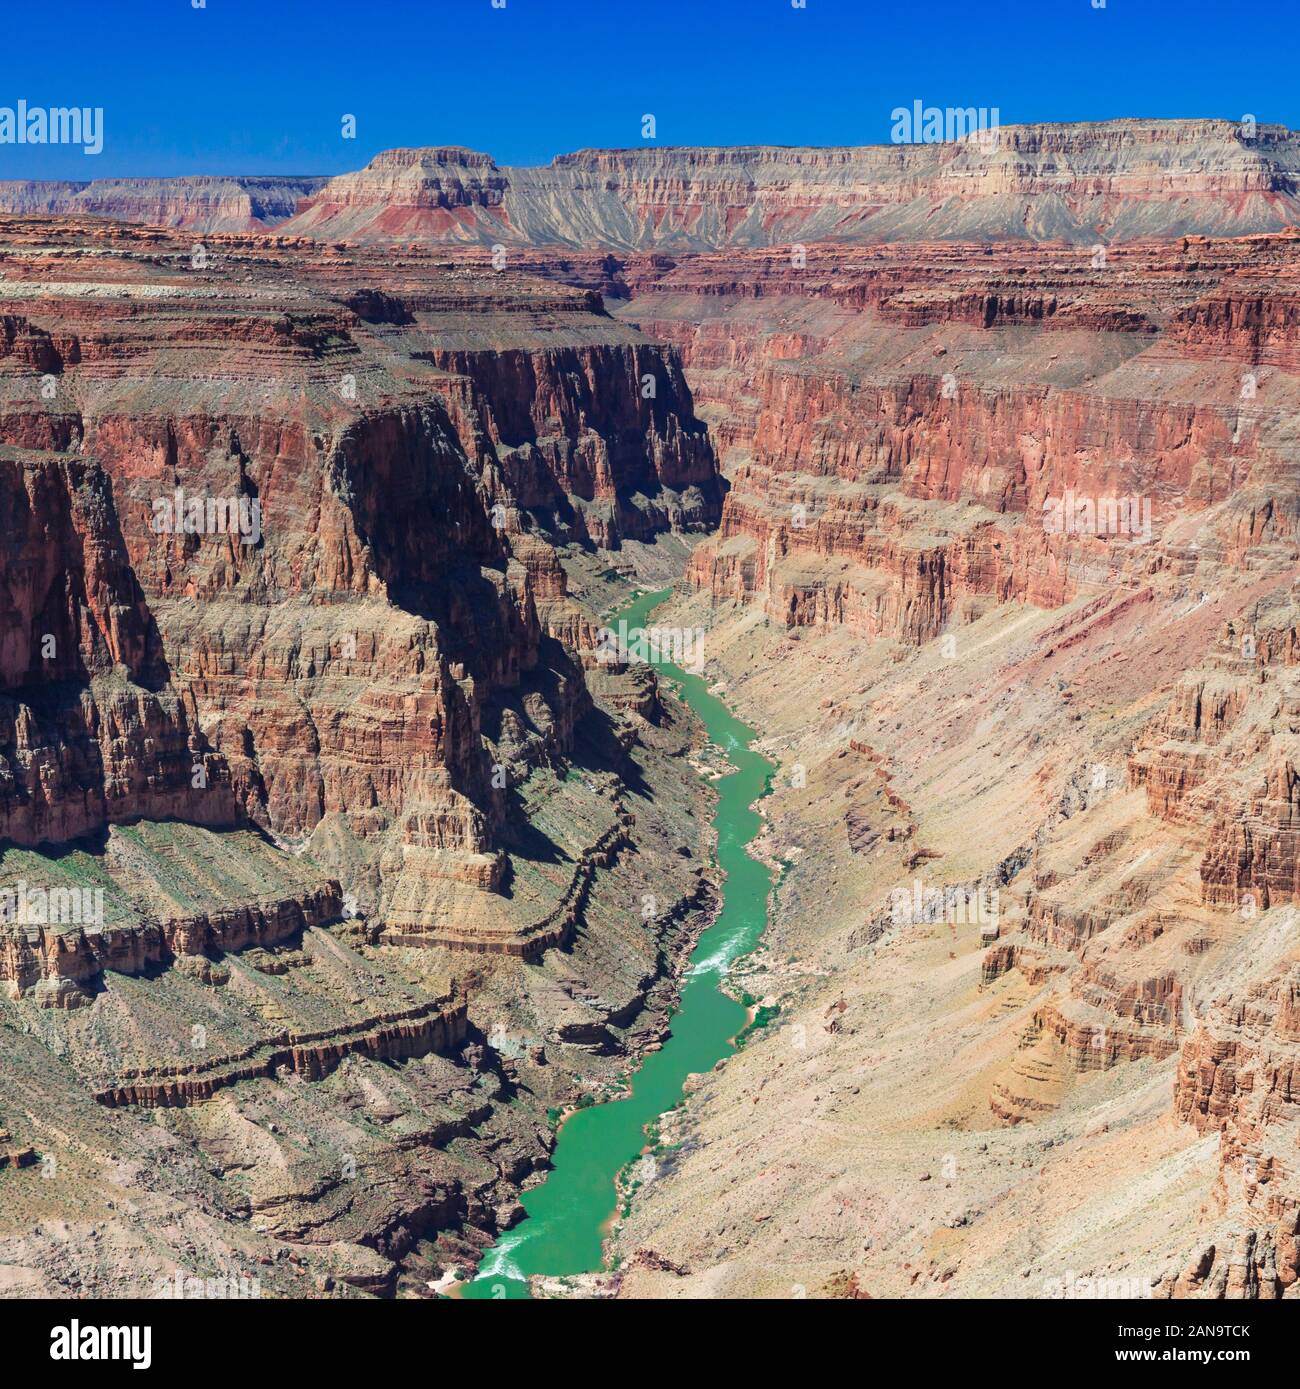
[1108, 181]
[1086, 1088]
[302, 781]
[196, 204]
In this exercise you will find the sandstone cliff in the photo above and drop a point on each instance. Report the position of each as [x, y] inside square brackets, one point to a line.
[1109, 181]
[301, 776]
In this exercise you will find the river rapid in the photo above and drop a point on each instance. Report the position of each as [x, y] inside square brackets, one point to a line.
[570, 1213]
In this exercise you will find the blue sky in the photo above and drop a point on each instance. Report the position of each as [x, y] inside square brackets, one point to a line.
[244, 87]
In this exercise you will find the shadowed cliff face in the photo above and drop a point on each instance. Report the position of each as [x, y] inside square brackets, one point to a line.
[91, 731]
[301, 769]
[377, 456]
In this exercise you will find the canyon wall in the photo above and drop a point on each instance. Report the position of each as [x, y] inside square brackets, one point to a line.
[1096, 717]
[372, 637]
[1105, 181]
[1084, 183]
[195, 204]
[300, 765]
[901, 428]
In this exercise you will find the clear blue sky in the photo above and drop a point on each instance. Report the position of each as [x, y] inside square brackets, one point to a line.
[260, 86]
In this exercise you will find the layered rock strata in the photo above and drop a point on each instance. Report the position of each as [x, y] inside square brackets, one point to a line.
[202, 205]
[1094, 723]
[295, 724]
[1084, 182]
[1087, 183]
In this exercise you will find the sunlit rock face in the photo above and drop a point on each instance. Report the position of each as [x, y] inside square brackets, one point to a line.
[307, 502]
[1084, 183]
[1106, 181]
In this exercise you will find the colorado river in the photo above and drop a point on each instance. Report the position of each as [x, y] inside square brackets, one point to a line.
[569, 1214]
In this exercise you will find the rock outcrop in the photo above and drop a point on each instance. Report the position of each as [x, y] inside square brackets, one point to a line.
[91, 731]
[1105, 181]
[1087, 183]
[199, 205]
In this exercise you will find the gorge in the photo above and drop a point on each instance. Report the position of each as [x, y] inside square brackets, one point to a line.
[375, 822]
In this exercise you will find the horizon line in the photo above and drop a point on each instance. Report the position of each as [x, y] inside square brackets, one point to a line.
[651, 145]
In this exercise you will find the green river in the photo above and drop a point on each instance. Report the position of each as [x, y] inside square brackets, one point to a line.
[569, 1214]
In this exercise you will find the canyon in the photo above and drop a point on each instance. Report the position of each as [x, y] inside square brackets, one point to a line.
[373, 822]
[340, 781]
[1121, 180]
[1096, 1083]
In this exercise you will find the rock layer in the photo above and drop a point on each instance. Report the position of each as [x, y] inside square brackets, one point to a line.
[1086, 183]
[1108, 181]
[200, 205]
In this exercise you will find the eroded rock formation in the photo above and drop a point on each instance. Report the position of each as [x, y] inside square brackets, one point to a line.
[931, 375]
[301, 774]
[1112, 180]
